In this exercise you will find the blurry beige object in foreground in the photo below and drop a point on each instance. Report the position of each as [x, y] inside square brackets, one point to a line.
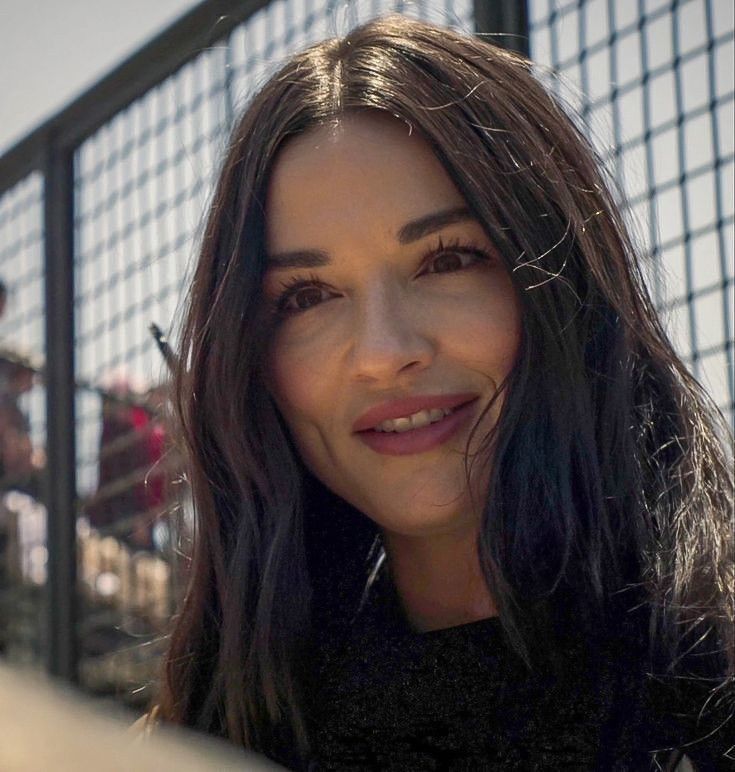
[43, 729]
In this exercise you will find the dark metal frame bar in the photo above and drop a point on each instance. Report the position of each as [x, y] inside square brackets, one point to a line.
[508, 19]
[60, 494]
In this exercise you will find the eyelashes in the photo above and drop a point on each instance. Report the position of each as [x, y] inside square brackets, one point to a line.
[468, 254]
[299, 294]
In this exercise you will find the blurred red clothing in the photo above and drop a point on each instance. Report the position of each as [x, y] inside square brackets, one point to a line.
[131, 484]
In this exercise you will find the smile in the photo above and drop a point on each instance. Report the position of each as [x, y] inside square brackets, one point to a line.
[413, 421]
[417, 432]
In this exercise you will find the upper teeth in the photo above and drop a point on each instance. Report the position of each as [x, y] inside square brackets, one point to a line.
[413, 421]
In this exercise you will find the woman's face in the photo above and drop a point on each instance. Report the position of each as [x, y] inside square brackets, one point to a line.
[397, 322]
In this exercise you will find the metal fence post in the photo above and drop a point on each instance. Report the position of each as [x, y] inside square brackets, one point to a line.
[506, 18]
[61, 446]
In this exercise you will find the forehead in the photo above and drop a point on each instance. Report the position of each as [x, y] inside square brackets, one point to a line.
[368, 174]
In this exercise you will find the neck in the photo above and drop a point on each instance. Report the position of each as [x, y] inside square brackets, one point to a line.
[438, 579]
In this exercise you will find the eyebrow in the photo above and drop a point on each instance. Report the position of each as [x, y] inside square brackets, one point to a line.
[410, 232]
[302, 258]
[417, 229]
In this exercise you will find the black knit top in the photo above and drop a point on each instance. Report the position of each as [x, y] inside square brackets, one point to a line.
[386, 697]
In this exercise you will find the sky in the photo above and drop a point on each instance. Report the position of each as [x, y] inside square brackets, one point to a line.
[52, 50]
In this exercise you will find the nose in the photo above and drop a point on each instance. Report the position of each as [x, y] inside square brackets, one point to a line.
[391, 335]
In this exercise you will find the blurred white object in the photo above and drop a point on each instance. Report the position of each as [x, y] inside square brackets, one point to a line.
[29, 517]
[44, 728]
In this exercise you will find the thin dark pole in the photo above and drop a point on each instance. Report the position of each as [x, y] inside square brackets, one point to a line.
[508, 19]
[61, 447]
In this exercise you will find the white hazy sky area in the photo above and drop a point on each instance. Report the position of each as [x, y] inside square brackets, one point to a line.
[53, 49]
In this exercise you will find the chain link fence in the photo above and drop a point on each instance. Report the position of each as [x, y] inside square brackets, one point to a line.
[652, 81]
[22, 421]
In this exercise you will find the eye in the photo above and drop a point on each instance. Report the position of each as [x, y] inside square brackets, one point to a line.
[301, 295]
[454, 258]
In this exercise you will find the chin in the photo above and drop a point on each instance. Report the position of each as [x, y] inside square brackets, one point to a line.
[427, 520]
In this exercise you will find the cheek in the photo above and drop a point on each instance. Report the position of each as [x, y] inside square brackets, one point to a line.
[288, 386]
[297, 383]
[486, 332]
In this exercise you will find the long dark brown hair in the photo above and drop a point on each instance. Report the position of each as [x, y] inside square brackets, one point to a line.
[610, 488]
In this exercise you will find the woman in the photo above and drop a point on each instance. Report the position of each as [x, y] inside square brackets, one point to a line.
[459, 504]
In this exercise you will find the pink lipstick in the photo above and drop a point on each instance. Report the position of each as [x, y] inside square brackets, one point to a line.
[414, 440]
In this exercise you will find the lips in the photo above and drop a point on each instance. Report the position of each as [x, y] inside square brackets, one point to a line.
[418, 440]
[400, 408]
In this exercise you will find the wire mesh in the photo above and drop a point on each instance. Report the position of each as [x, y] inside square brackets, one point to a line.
[652, 82]
[22, 423]
[140, 188]
[259, 47]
